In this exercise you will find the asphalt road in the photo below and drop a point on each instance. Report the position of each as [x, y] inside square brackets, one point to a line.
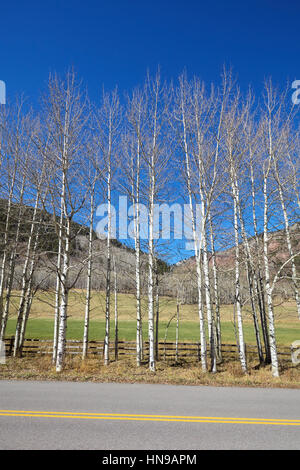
[68, 415]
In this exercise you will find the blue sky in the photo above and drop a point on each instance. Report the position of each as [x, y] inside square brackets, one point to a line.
[114, 42]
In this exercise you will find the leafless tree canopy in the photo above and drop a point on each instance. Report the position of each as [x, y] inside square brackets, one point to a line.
[234, 157]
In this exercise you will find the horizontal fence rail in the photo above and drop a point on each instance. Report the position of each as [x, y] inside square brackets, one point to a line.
[166, 349]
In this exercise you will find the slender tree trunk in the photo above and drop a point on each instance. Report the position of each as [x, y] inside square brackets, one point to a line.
[216, 292]
[272, 336]
[139, 331]
[5, 244]
[151, 279]
[259, 287]
[29, 290]
[177, 331]
[89, 281]
[58, 287]
[108, 260]
[136, 197]
[250, 273]
[116, 313]
[288, 239]
[25, 277]
[197, 243]
[157, 316]
[209, 311]
[238, 304]
[12, 264]
[62, 270]
[151, 258]
[64, 301]
[27, 307]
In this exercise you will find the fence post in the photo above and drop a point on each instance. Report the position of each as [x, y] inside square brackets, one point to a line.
[11, 345]
[2, 352]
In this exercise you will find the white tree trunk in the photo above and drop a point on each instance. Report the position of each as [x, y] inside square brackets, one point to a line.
[151, 277]
[197, 242]
[258, 279]
[288, 239]
[29, 290]
[272, 336]
[25, 277]
[177, 331]
[242, 351]
[5, 244]
[12, 263]
[58, 286]
[64, 301]
[116, 312]
[88, 281]
[108, 261]
[216, 291]
[250, 270]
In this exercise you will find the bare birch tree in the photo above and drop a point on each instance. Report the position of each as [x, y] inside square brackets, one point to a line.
[108, 126]
[66, 114]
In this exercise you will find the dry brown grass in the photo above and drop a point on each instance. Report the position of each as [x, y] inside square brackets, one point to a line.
[125, 371]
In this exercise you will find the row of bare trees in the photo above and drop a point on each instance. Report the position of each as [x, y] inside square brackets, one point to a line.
[232, 159]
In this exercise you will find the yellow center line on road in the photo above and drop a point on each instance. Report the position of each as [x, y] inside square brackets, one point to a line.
[149, 417]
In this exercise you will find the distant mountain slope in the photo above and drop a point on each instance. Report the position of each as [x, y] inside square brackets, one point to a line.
[183, 275]
[178, 277]
[277, 247]
[45, 275]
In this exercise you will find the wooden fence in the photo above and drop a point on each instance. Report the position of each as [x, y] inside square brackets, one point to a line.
[166, 349]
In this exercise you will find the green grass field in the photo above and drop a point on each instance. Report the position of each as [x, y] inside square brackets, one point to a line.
[40, 324]
[188, 331]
